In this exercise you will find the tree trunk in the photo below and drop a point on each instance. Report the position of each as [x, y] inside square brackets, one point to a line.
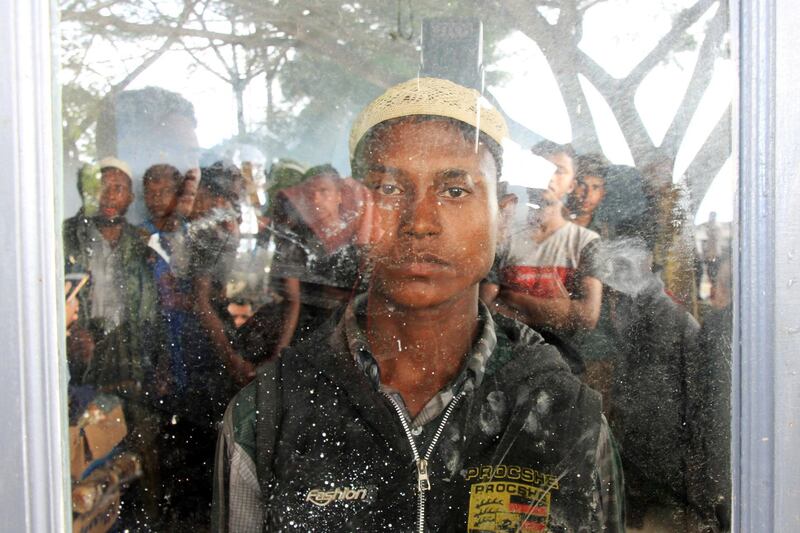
[584, 132]
[238, 90]
[268, 118]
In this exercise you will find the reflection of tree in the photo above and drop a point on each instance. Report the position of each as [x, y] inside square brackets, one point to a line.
[560, 44]
[326, 56]
[237, 63]
[82, 104]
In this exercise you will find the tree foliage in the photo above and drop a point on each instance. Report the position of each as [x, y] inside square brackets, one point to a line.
[328, 58]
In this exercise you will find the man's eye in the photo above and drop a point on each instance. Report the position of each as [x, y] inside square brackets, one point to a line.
[455, 192]
[388, 189]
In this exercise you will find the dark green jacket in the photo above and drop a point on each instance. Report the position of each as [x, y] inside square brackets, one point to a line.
[128, 353]
[331, 454]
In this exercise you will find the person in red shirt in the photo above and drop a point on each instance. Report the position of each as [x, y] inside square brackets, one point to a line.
[545, 279]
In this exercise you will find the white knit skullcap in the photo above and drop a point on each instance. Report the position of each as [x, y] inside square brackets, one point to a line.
[113, 162]
[430, 96]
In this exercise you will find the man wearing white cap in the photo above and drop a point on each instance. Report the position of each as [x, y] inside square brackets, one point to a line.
[118, 308]
[101, 243]
[415, 409]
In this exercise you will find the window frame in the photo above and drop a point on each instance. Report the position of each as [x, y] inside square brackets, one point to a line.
[33, 435]
[766, 372]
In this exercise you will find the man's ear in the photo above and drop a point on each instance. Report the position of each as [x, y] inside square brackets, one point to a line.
[507, 200]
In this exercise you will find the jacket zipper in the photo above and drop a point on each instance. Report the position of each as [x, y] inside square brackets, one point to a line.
[423, 480]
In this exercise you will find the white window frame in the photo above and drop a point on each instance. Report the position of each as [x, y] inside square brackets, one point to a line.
[766, 365]
[33, 461]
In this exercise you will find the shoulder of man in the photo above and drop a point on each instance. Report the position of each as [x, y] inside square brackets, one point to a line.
[523, 359]
[583, 236]
[73, 230]
[242, 413]
[519, 344]
[535, 374]
[256, 410]
[132, 233]
[134, 245]
[144, 232]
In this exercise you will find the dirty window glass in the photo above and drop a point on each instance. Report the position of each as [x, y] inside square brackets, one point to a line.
[407, 265]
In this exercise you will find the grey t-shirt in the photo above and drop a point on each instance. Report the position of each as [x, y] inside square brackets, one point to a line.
[108, 301]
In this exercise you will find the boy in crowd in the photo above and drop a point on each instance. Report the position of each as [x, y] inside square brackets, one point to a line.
[120, 310]
[546, 279]
[162, 232]
[590, 190]
[210, 370]
[240, 309]
[415, 408]
[162, 184]
[120, 303]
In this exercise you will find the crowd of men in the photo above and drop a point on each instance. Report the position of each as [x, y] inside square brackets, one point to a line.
[570, 265]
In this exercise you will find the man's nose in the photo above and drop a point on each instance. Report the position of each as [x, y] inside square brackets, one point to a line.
[111, 197]
[421, 218]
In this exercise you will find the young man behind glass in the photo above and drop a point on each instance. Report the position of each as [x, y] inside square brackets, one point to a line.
[415, 408]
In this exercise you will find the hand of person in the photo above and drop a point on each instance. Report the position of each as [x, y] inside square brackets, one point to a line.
[188, 193]
[80, 345]
[505, 303]
[242, 371]
[489, 292]
[71, 307]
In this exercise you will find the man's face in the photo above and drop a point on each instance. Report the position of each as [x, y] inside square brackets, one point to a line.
[160, 196]
[115, 193]
[436, 214]
[240, 313]
[325, 197]
[563, 181]
[590, 191]
[206, 201]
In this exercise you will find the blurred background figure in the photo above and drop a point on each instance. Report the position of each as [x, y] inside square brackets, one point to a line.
[315, 226]
[163, 232]
[583, 201]
[211, 370]
[212, 238]
[622, 213]
[546, 278]
[120, 303]
[118, 342]
[284, 173]
[240, 310]
[660, 388]
[264, 335]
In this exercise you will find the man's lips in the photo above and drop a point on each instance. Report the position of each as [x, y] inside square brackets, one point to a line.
[423, 264]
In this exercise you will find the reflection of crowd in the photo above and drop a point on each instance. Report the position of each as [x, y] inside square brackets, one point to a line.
[581, 271]
[166, 324]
